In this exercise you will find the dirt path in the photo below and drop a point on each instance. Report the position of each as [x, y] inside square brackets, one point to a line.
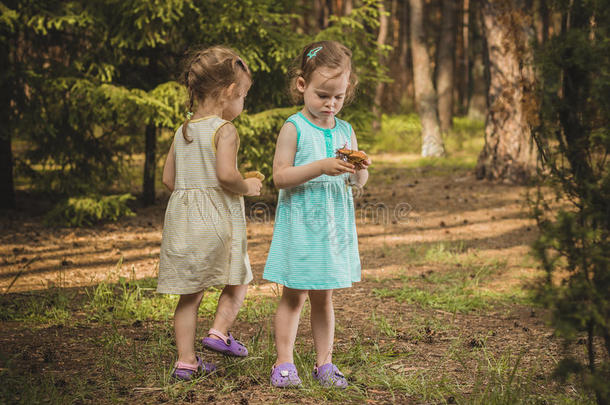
[396, 211]
[427, 228]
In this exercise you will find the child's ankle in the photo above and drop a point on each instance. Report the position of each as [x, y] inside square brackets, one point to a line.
[278, 362]
[188, 360]
[214, 336]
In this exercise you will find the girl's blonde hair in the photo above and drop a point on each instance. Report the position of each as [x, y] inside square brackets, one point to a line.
[209, 71]
[329, 54]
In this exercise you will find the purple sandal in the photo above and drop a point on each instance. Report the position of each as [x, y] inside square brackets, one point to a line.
[186, 372]
[328, 375]
[227, 345]
[285, 376]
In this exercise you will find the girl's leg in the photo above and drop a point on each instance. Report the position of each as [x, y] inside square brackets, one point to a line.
[229, 303]
[185, 326]
[287, 323]
[322, 324]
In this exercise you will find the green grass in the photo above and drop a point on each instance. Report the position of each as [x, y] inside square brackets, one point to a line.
[124, 360]
[402, 134]
[383, 325]
[459, 284]
[500, 379]
[53, 307]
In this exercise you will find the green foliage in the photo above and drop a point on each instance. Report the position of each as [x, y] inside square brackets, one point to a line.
[50, 308]
[128, 300]
[398, 133]
[258, 133]
[113, 68]
[573, 139]
[84, 211]
[402, 133]
[357, 32]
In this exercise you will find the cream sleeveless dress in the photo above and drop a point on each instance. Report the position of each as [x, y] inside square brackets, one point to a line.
[204, 234]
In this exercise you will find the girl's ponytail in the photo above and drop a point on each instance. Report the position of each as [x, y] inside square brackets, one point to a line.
[187, 138]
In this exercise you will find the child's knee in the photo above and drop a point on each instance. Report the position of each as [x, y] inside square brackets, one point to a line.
[234, 295]
[294, 298]
[321, 298]
[189, 299]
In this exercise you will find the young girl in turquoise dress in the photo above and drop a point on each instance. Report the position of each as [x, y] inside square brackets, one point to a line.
[314, 249]
[204, 233]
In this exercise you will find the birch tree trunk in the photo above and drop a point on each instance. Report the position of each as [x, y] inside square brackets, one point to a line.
[425, 95]
[445, 64]
[509, 154]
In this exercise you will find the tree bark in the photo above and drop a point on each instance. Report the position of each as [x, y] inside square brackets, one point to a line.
[398, 97]
[478, 69]
[445, 65]
[425, 94]
[543, 35]
[509, 154]
[347, 7]
[322, 12]
[7, 187]
[464, 64]
[381, 39]
[150, 165]
[576, 86]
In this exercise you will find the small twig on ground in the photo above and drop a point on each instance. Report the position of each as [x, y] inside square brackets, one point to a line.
[147, 389]
[20, 272]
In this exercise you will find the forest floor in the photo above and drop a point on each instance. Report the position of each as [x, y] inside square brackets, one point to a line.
[443, 314]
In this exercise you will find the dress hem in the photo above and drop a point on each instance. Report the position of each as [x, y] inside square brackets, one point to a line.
[200, 288]
[312, 287]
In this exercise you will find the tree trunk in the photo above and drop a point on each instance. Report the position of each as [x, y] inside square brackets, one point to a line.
[405, 63]
[398, 97]
[445, 65]
[509, 154]
[150, 165]
[543, 34]
[322, 12]
[425, 95]
[464, 64]
[7, 187]
[347, 7]
[381, 39]
[478, 69]
[576, 86]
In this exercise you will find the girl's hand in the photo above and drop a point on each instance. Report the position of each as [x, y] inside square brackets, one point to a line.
[254, 187]
[366, 163]
[335, 167]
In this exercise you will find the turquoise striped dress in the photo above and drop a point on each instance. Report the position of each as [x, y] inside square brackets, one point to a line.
[315, 245]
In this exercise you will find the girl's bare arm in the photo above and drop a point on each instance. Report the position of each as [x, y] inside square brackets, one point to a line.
[227, 145]
[169, 170]
[286, 175]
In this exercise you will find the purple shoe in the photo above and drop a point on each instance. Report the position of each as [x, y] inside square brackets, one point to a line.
[228, 345]
[285, 376]
[328, 375]
[186, 372]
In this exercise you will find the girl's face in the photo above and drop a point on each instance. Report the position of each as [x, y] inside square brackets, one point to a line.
[324, 94]
[234, 102]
